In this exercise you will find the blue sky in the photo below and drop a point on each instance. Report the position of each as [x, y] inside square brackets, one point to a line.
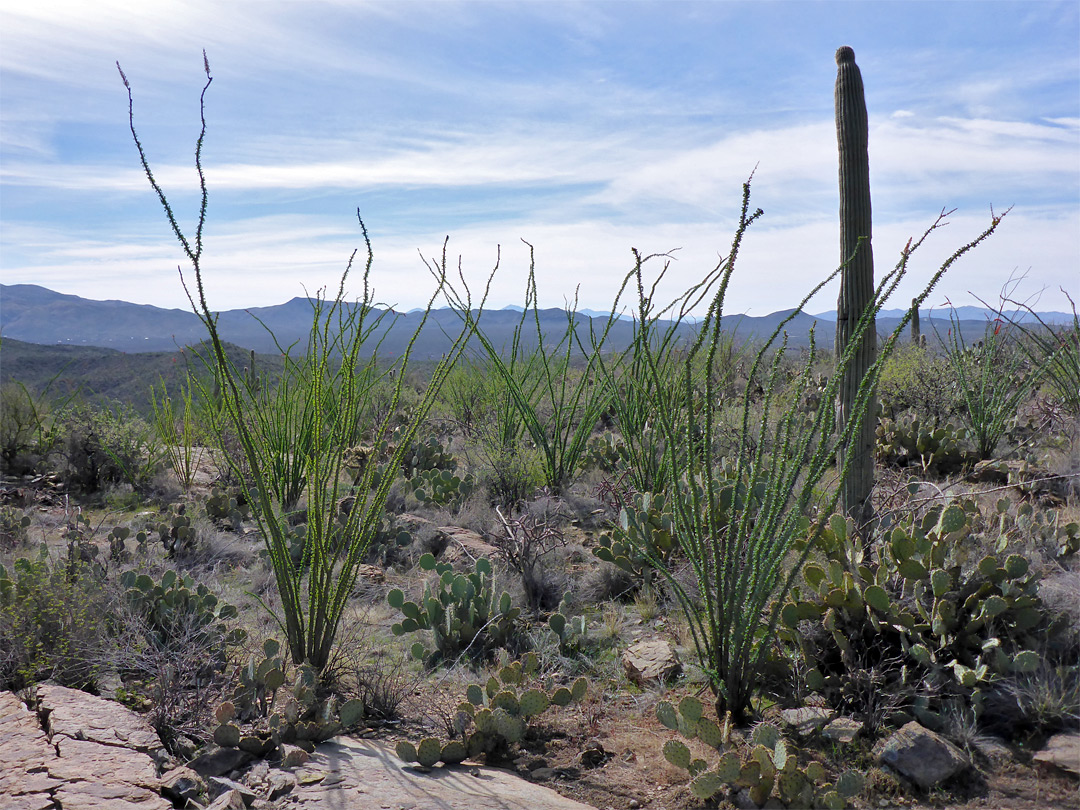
[584, 128]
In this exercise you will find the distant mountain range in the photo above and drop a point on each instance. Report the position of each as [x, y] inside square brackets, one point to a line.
[34, 314]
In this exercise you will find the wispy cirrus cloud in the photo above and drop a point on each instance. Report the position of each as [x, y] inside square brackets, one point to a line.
[584, 128]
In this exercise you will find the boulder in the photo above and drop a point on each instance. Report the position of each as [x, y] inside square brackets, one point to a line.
[219, 761]
[842, 730]
[651, 662]
[229, 800]
[366, 773]
[1062, 751]
[220, 785]
[921, 755]
[181, 784]
[807, 719]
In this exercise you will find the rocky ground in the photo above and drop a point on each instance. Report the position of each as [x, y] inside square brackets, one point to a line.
[67, 750]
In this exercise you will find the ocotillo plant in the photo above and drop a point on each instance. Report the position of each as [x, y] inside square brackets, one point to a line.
[333, 392]
[856, 280]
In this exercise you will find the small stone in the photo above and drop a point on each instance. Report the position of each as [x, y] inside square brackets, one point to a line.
[807, 719]
[219, 785]
[309, 777]
[280, 783]
[293, 757]
[229, 800]
[651, 662]
[181, 784]
[1062, 751]
[634, 804]
[921, 755]
[842, 730]
[542, 774]
[594, 755]
[218, 761]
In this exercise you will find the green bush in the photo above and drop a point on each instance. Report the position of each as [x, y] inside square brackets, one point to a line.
[54, 621]
[101, 448]
[27, 429]
[917, 378]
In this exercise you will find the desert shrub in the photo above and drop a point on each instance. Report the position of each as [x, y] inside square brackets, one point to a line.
[994, 378]
[511, 474]
[1041, 702]
[917, 378]
[102, 447]
[27, 429]
[13, 527]
[527, 544]
[54, 621]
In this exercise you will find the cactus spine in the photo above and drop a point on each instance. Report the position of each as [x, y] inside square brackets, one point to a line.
[857, 278]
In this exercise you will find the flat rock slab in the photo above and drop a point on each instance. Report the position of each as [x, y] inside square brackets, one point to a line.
[81, 716]
[75, 765]
[1062, 751]
[24, 751]
[807, 719]
[366, 773]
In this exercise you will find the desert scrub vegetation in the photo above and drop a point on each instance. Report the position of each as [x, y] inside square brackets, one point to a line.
[467, 548]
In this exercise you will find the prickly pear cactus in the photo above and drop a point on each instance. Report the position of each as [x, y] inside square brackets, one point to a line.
[642, 538]
[495, 716]
[766, 766]
[441, 487]
[461, 611]
[174, 605]
[928, 597]
[269, 707]
[907, 441]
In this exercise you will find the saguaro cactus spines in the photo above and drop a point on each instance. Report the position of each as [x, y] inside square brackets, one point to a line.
[857, 278]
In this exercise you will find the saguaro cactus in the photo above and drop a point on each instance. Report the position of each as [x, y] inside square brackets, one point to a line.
[915, 333]
[857, 278]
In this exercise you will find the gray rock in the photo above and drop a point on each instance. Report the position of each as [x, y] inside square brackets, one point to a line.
[807, 719]
[24, 749]
[229, 800]
[842, 730]
[219, 785]
[921, 755]
[219, 761]
[369, 774]
[81, 716]
[649, 662]
[542, 774]
[84, 764]
[279, 783]
[1062, 751]
[181, 784]
[292, 756]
